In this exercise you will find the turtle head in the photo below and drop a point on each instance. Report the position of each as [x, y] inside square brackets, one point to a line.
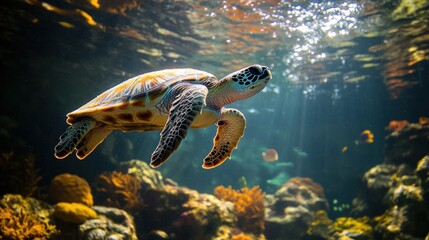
[250, 80]
[239, 85]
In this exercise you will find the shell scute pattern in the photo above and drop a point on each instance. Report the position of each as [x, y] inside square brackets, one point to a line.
[141, 91]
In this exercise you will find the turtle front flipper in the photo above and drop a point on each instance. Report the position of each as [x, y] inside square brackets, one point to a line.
[91, 141]
[188, 103]
[72, 137]
[230, 129]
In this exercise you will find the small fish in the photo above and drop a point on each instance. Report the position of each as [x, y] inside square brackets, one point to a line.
[300, 153]
[284, 164]
[270, 155]
[366, 137]
[344, 149]
[279, 180]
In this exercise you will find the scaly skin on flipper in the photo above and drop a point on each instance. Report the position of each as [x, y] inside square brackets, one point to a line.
[91, 141]
[187, 104]
[72, 137]
[230, 129]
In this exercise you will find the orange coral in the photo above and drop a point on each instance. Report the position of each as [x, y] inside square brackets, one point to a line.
[241, 236]
[249, 206]
[424, 120]
[396, 126]
[17, 224]
[70, 188]
[120, 190]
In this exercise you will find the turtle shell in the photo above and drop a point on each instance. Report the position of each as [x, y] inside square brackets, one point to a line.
[143, 91]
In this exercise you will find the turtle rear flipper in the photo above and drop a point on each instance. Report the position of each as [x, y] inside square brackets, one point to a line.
[230, 129]
[187, 104]
[91, 140]
[72, 137]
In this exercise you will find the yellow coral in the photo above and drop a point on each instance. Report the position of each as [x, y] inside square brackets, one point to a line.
[120, 190]
[359, 225]
[74, 212]
[18, 224]
[70, 188]
[321, 225]
[248, 204]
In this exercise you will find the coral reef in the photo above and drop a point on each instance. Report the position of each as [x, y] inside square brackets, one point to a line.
[378, 180]
[292, 209]
[18, 174]
[77, 213]
[111, 223]
[422, 172]
[396, 192]
[28, 218]
[321, 227]
[25, 218]
[396, 195]
[396, 125]
[249, 205]
[70, 188]
[394, 206]
[408, 145]
[349, 228]
[148, 177]
[23, 225]
[241, 236]
[186, 214]
[176, 212]
[204, 214]
[120, 190]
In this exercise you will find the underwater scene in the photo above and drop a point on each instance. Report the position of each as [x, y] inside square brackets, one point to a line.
[214, 120]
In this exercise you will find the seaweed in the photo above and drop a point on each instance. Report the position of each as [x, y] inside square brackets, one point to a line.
[18, 174]
[120, 190]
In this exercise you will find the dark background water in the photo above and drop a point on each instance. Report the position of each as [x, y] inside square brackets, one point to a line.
[53, 59]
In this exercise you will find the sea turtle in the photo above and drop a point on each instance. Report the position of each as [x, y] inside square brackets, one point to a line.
[170, 100]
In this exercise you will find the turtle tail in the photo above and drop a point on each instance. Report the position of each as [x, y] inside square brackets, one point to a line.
[73, 136]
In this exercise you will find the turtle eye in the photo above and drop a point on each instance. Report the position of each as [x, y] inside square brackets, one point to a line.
[255, 70]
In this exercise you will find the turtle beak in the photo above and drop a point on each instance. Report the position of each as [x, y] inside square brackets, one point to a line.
[266, 75]
[270, 76]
